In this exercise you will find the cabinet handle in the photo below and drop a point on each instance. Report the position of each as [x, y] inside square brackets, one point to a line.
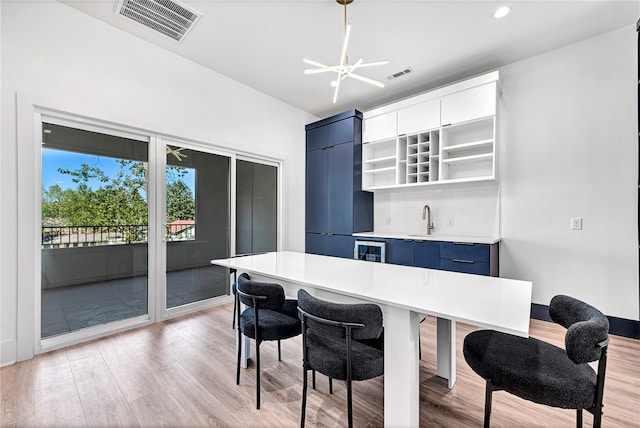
[446, 124]
[463, 261]
[464, 243]
[329, 234]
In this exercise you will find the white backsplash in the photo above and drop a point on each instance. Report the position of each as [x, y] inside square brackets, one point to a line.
[455, 210]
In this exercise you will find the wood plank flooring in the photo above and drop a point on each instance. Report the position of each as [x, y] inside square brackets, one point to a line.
[181, 373]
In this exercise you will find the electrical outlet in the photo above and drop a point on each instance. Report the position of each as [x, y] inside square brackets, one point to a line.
[450, 222]
[388, 220]
[576, 223]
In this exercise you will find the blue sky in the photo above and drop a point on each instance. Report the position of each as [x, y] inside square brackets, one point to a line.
[54, 159]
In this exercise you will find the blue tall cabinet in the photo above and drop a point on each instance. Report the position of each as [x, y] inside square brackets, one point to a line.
[336, 207]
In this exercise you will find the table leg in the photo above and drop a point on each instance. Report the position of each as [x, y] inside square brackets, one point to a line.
[401, 368]
[446, 360]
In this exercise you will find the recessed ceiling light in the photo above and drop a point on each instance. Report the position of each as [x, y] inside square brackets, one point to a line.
[501, 12]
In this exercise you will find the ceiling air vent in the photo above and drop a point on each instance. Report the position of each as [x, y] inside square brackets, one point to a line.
[171, 18]
[400, 73]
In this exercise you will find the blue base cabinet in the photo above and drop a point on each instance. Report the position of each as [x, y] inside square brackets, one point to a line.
[330, 245]
[335, 205]
[399, 252]
[426, 254]
[480, 259]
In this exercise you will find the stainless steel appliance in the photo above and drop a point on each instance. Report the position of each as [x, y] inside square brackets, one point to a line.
[371, 251]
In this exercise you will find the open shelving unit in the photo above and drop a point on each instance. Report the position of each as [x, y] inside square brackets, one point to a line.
[447, 135]
[468, 150]
[379, 163]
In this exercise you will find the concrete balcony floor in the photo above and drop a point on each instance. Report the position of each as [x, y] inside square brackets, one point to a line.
[66, 309]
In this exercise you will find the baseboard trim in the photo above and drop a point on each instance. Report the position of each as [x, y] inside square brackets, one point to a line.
[8, 352]
[617, 326]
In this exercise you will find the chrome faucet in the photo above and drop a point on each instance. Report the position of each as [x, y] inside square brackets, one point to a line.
[426, 214]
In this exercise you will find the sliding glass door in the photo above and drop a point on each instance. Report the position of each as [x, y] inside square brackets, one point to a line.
[197, 225]
[131, 220]
[94, 231]
[256, 207]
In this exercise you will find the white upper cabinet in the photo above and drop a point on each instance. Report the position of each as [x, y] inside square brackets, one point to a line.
[419, 117]
[469, 104]
[447, 135]
[380, 127]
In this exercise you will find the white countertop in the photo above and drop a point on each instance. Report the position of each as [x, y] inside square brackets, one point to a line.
[419, 237]
[484, 301]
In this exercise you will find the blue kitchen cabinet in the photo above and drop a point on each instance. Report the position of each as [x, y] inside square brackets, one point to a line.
[315, 243]
[465, 266]
[426, 254]
[317, 214]
[340, 246]
[333, 245]
[339, 200]
[480, 259]
[335, 207]
[409, 252]
[399, 251]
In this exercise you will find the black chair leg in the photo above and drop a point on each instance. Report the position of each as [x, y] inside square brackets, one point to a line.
[304, 397]
[279, 352]
[597, 418]
[313, 379]
[233, 323]
[239, 356]
[257, 375]
[487, 404]
[579, 419]
[349, 404]
[330, 386]
[235, 297]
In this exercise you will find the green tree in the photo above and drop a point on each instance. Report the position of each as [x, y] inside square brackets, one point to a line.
[181, 204]
[118, 201]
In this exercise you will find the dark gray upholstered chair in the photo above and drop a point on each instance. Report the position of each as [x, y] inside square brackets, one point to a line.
[268, 316]
[540, 372]
[341, 341]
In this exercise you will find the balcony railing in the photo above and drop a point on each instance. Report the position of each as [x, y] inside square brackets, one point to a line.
[89, 236]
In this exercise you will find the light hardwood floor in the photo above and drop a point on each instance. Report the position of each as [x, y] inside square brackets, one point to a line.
[181, 373]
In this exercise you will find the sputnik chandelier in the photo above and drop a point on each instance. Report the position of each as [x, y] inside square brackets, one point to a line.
[344, 70]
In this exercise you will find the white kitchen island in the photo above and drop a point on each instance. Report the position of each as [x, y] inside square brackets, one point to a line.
[403, 293]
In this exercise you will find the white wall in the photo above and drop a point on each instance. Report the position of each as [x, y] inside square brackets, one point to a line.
[56, 52]
[570, 149]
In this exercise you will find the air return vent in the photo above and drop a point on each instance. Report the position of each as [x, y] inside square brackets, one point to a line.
[400, 73]
[171, 18]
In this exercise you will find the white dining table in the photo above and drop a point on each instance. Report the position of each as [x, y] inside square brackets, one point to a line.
[405, 295]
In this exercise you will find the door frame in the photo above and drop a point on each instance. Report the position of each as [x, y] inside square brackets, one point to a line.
[30, 111]
[279, 203]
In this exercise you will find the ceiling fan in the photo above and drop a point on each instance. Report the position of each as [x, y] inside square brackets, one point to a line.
[176, 152]
[343, 69]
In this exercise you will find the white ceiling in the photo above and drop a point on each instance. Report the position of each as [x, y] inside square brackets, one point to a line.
[261, 43]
